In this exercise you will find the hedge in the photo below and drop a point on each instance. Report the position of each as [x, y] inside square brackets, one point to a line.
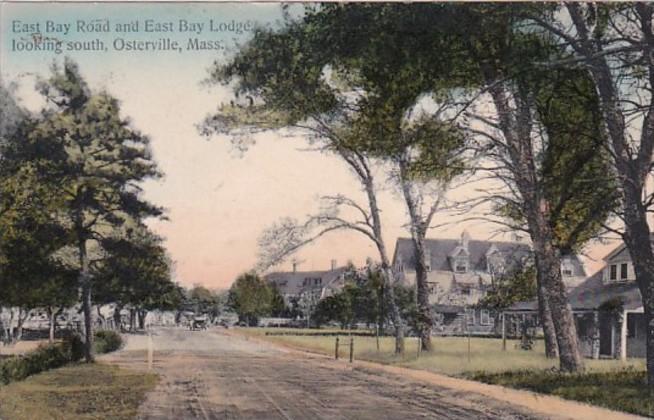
[44, 358]
[107, 341]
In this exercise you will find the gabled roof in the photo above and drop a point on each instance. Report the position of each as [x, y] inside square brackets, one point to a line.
[438, 251]
[618, 249]
[592, 294]
[292, 283]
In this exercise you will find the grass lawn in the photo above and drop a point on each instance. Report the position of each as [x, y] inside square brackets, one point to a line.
[79, 391]
[450, 356]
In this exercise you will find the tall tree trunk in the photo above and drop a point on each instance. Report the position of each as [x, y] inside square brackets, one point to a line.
[545, 315]
[516, 126]
[141, 315]
[389, 277]
[556, 298]
[425, 320]
[419, 228]
[85, 282]
[633, 164]
[22, 317]
[118, 321]
[638, 241]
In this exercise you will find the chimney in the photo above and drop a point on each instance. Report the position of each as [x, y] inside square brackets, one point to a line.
[465, 239]
[333, 262]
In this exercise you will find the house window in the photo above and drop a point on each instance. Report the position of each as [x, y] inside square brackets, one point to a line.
[461, 266]
[465, 290]
[428, 267]
[567, 271]
[470, 316]
[613, 272]
[485, 317]
[623, 271]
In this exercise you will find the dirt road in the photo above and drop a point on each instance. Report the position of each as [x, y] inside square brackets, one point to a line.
[210, 375]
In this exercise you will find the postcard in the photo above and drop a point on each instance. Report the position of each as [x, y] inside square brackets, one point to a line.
[262, 210]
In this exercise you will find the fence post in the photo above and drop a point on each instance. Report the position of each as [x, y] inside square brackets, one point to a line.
[351, 348]
[150, 351]
[336, 349]
[503, 331]
[377, 337]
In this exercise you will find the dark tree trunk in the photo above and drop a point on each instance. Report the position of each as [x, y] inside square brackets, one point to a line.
[516, 125]
[22, 317]
[132, 319]
[142, 314]
[118, 320]
[638, 241]
[545, 315]
[556, 297]
[85, 282]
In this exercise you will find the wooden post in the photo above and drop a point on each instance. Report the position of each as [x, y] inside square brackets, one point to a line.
[150, 352]
[503, 331]
[468, 345]
[336, 349]
[377, 337]
[351, 349]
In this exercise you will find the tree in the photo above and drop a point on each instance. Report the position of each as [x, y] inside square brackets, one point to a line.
[284, 82]
[204, 301]
[250, 297]
[93, 160]
[519, 286]
[32, 271]
[614, 45]
[135, 271]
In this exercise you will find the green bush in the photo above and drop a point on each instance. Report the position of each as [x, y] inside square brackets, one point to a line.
[107, 341]
[45, 357]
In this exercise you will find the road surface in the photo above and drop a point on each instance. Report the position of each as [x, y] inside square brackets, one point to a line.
[211, 375]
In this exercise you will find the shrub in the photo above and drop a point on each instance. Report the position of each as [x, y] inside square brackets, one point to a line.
[44, 358]
[107, 341]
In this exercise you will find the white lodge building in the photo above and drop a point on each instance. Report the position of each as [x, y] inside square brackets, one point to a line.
[462, 271]
[608, 310]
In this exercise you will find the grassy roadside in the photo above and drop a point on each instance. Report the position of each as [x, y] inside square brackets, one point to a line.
[450, 354]
[79, 391]
[613, 384]
[623, 390]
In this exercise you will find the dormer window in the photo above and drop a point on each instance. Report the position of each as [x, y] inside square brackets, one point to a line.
[460, 265]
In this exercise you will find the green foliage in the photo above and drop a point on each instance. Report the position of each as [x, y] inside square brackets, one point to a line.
[136, 271]
[201, 300]
[251, 298]
[106, 341]
[519, 286]
[44, 358]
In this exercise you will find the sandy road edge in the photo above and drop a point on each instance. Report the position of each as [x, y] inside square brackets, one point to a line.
[546, 405]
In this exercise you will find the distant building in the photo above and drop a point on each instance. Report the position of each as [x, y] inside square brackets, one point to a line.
[462, 271]
[315, 284]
